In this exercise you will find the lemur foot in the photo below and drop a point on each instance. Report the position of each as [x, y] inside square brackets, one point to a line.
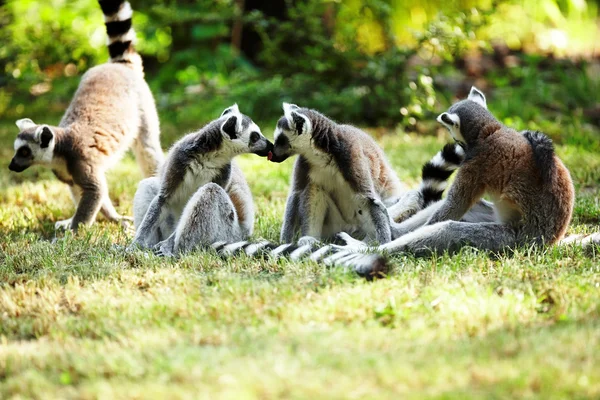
[64, 225]
[304, 240]
[348, 242]
[126, 223]
[163, 249]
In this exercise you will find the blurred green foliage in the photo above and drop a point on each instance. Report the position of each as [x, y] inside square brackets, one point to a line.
[375, 62]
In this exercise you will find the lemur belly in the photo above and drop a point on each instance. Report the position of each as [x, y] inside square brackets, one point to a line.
[507, 210]
[197, 175]
[346, 212]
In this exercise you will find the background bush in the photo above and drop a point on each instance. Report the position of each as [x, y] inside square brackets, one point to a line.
[369, 62]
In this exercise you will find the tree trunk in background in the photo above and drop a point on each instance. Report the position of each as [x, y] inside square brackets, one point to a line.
[250, 43]
[238, 26]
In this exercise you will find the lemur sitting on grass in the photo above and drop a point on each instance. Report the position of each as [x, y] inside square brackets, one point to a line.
[200, 196]
[532, 191]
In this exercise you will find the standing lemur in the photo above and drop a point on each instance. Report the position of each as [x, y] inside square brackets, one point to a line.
[200, 195]
[532, 191]
[112, 110]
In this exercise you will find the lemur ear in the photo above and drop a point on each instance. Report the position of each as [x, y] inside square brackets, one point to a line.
[24, 123]
[288, 108]
[44, 135]
[297, 120]
[448, 120]
[477, 96]
[229, 127]
[300, 122]
[233, 109]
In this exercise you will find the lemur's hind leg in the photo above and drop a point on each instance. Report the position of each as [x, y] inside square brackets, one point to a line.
[406, 206]
[147, 191]
[451, 236]
[482, 211]
[208, 217]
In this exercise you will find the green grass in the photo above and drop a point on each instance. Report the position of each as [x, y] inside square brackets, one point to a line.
[79, 319]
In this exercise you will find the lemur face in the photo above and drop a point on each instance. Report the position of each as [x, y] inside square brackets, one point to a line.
[243, 134]
[452, 118]
[292, 133]
[34, 145]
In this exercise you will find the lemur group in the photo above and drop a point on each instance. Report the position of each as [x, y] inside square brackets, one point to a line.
[344, 196]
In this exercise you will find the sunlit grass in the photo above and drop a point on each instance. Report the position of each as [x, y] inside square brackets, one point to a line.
[80, 319]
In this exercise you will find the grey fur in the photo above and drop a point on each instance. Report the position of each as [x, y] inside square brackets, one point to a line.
[341, 180]
[531, 206]
[184, 208]
[112, 110]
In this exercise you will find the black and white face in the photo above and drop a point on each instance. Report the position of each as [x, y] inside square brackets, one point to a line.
[451, 118]
[34, 145]
[292, 133]
[243, 135]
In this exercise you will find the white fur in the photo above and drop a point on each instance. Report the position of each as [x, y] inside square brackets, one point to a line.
[125, 12]
[453, 128]
[24, 123]
[319, 254]
[129, 36]
[276, 252]
[434, 184]
[233, 247]
[289, 109]
[19, 143]
[300, 252]
[256, 247]
[477, 96]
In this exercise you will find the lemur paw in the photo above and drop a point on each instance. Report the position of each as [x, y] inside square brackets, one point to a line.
[162, 251]
[348, 241]
[126, 223]
[304, 240]
[65, 224]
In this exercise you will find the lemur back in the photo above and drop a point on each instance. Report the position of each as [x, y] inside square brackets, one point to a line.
[111, 111]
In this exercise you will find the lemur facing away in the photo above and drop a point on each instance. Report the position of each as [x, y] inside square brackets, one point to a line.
[532, 191]
[200, 195]
[112, 110]
[342, 180]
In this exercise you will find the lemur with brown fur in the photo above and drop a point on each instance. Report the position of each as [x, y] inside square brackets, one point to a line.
[531, 189]
[111, 111]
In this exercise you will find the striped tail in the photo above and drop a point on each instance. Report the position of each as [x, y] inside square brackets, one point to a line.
[369, 266]
[436, 172]
[121, 36]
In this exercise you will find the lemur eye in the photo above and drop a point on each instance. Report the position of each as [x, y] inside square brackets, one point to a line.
[254, 136]
[24, 152]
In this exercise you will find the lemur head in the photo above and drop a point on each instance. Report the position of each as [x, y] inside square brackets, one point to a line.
[292, 133]
[242, 133]
[34, 145]
[466, 118]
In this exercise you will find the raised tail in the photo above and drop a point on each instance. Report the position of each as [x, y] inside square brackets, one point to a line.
[369, 266]
[121, 36]
[543, 153]
[435, 172]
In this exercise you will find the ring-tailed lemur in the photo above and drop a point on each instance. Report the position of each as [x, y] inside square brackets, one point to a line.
[342, 181]
[434, 175]
[532, 189]
[112, 109]
[200, 196]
